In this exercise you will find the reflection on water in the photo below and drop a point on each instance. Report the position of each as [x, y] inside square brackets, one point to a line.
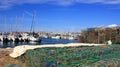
[44, 41]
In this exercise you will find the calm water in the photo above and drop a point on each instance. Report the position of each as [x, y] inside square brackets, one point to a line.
[44, 41]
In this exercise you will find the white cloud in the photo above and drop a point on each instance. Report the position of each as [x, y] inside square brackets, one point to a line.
[9, 3]
[112, 25]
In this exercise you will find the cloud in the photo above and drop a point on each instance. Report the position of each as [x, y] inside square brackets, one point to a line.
[113, 25]
[9, 3]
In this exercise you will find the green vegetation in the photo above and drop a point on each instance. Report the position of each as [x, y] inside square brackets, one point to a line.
[12, 65]
[94, 56]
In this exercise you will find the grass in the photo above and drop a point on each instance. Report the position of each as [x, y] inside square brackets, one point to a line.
[12, 65]
[95, 56]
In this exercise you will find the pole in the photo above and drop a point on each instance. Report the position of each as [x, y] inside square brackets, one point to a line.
[98, 36]
[5, 24]
[33, 22]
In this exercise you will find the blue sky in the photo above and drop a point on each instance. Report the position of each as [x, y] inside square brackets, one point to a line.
[58, 15]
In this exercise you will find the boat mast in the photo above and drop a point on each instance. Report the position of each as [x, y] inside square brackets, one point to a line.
[16, 26]
[33, 22]
[23, 21]
[10, 26]
[5, 24]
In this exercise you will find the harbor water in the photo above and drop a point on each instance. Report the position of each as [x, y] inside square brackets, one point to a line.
[43, 42]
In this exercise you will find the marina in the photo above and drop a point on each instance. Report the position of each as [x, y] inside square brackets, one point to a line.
[42, 42]
[19, 37]
[59, 33]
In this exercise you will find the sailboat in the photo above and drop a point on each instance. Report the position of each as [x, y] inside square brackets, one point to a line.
[1, 37]
[33, 36]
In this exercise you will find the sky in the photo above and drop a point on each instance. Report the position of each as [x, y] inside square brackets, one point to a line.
[58, 15]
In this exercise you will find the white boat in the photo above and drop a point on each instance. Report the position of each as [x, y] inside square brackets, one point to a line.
[71, 38]
[1, 38]
[56, 37]
[11, 38]
[34, 39]
[44, 36]
[25, 36]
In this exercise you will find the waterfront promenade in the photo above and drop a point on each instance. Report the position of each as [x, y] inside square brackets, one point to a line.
[19, 50]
